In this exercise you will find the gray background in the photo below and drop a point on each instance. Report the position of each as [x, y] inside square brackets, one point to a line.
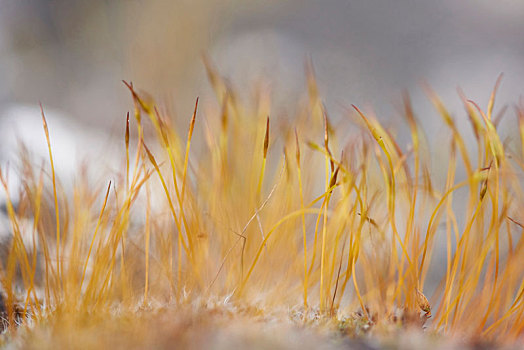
[72, 54]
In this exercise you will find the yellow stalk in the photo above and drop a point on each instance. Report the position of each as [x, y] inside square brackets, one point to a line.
[55, 197]
[166, 191]
[147, 241]
[186, 157]
[269, 234]
[303, 217]
[95, 234]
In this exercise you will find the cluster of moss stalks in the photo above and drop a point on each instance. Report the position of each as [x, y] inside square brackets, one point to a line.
[337, 219]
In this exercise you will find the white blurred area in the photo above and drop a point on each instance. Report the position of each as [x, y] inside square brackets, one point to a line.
[75, 148]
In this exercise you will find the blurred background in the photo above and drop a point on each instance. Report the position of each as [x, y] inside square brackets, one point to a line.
[72, 55]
